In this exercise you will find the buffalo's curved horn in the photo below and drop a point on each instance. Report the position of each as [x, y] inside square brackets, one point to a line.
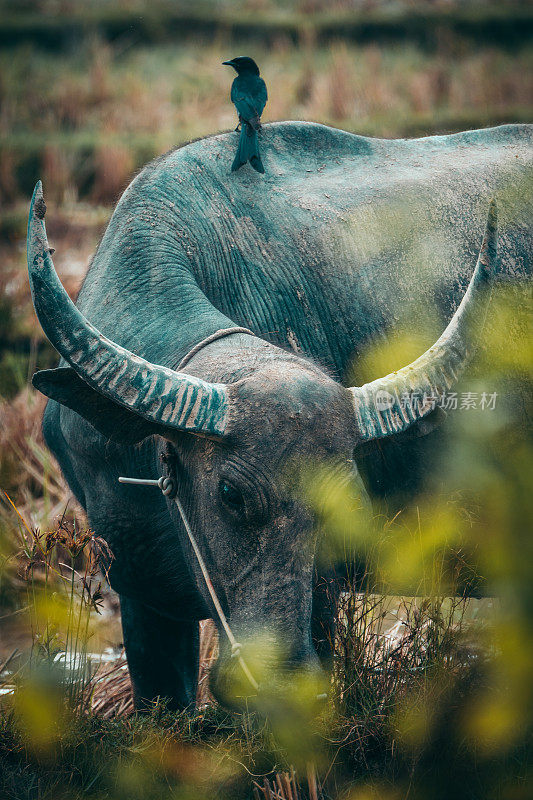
[390, 404]
[158, 394]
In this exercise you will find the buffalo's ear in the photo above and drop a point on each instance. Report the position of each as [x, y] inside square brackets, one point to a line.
[111, 420]
[422, 427]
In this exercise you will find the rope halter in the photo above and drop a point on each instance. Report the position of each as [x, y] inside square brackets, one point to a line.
[168, 487]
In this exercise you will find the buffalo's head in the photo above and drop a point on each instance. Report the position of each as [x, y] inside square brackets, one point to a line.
[234, 427]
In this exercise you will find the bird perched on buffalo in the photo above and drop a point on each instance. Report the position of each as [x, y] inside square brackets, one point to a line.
[249, 96]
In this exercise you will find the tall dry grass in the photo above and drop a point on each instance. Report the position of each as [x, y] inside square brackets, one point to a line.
[27, 469]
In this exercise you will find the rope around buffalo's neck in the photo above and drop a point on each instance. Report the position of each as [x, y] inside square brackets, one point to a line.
[221, 334]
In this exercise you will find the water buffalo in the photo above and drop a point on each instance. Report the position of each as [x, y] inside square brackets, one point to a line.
[329, 251]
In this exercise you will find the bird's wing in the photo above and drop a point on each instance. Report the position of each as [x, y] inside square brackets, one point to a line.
[262, 95]
[249, 99]
[247, 106]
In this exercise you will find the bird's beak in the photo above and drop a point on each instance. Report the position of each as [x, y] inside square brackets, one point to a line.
[228, 63]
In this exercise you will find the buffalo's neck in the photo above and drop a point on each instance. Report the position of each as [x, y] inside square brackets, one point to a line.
[140, 291]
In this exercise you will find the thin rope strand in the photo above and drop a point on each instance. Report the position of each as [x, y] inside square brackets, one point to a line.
[235, 646]
[213, 338]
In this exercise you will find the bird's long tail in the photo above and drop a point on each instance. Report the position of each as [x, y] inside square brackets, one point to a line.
[248, 149]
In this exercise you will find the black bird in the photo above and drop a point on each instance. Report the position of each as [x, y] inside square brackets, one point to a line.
[249, 96]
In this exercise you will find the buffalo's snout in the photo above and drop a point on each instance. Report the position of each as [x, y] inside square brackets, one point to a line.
[263, 666]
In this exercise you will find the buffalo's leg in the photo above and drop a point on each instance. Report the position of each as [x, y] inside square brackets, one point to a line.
[326, 589]
[162, 655]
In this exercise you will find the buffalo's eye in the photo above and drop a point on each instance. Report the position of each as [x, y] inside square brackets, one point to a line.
[231, 498]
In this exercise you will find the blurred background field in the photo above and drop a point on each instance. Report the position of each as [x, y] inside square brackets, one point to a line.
[89, 92]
